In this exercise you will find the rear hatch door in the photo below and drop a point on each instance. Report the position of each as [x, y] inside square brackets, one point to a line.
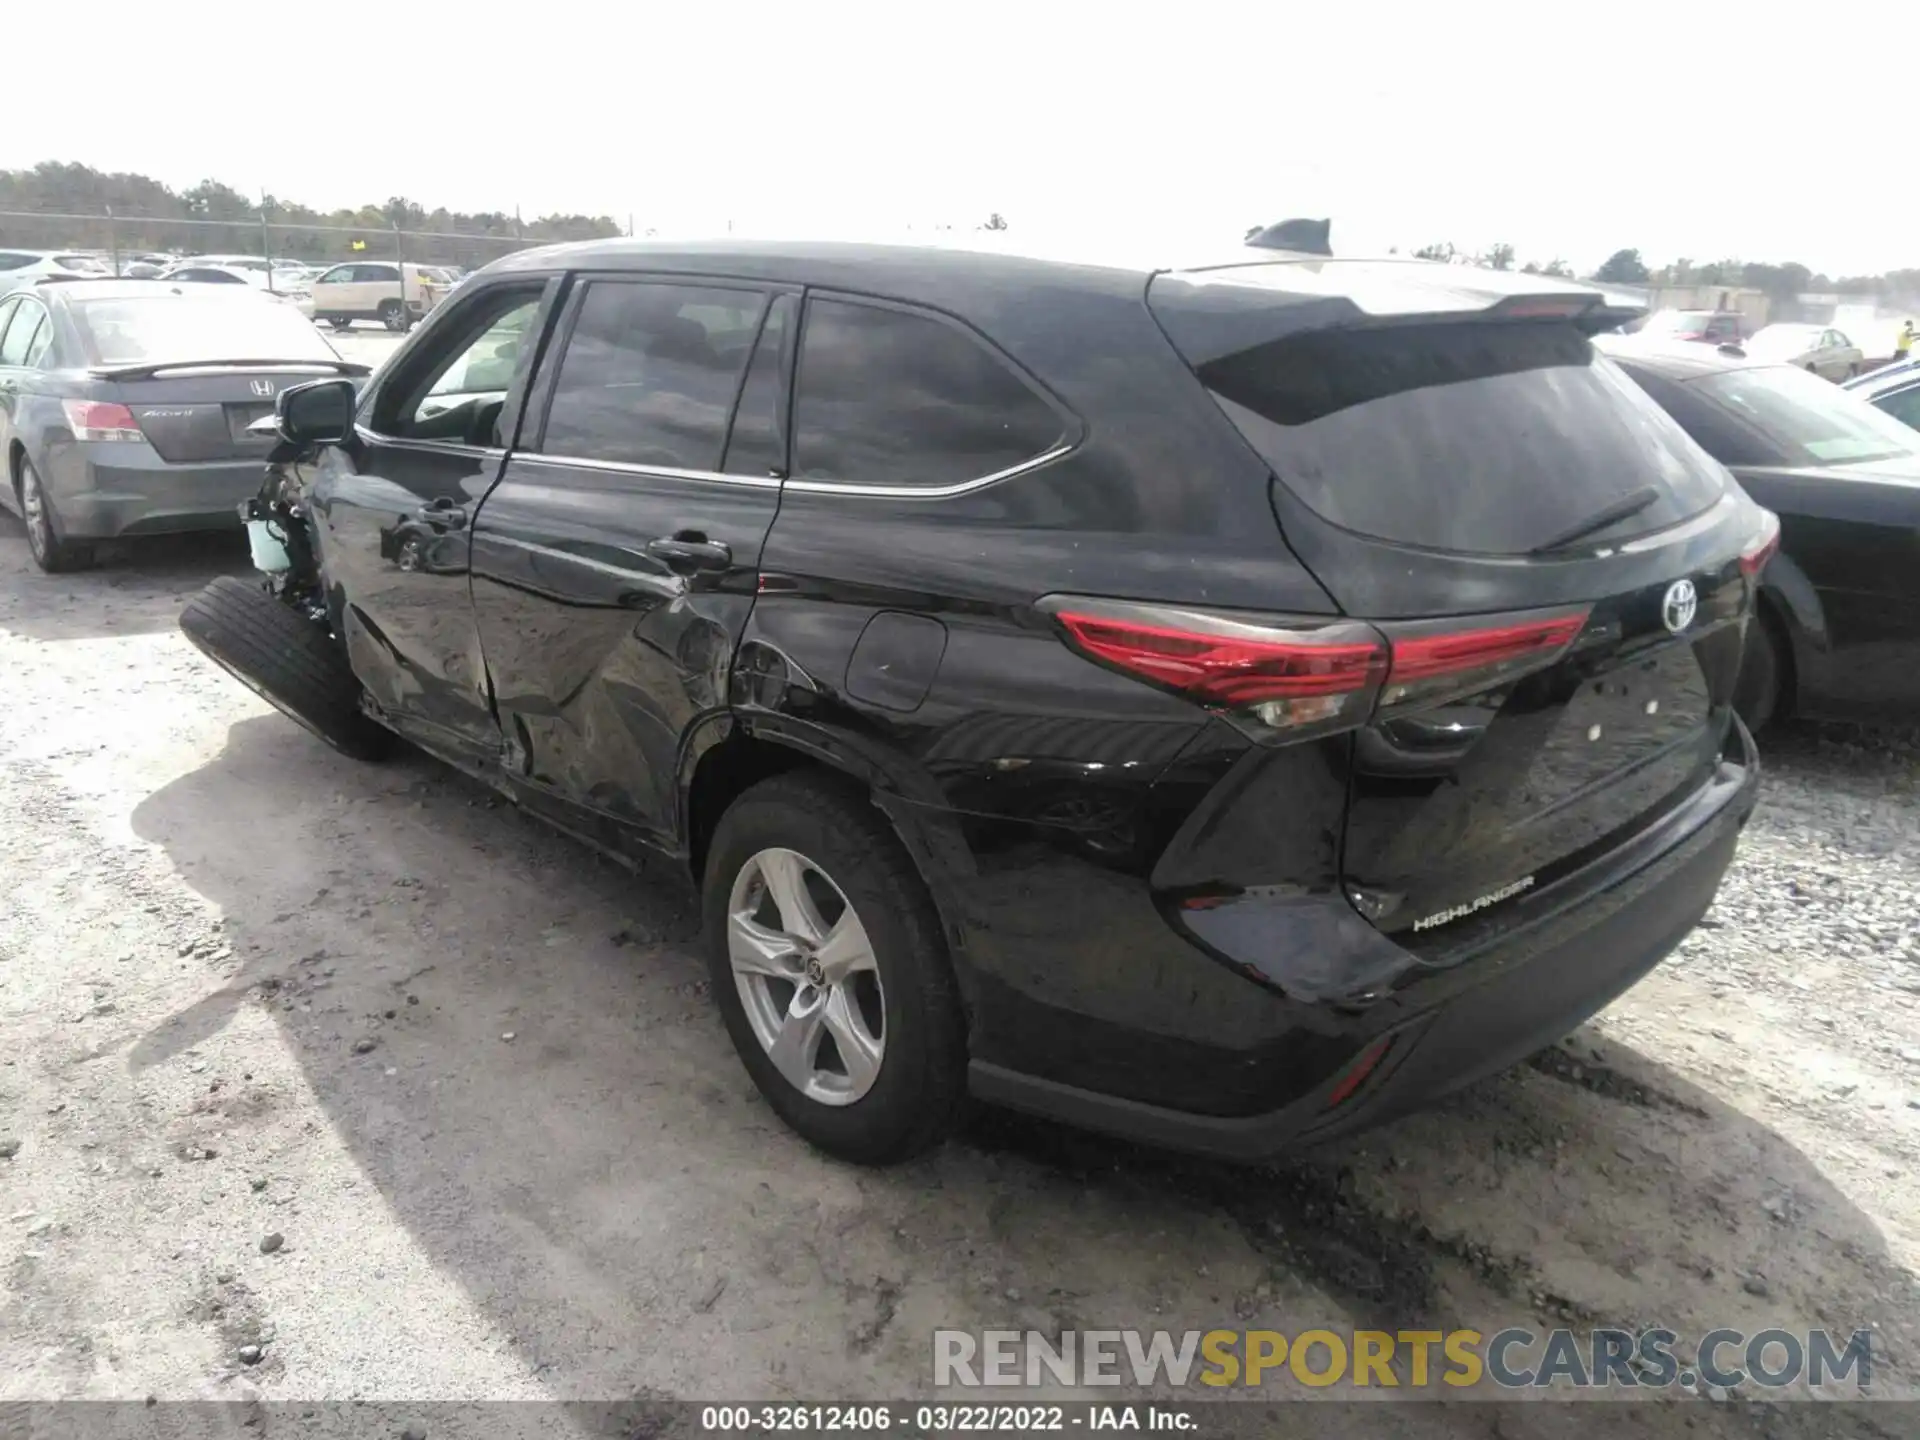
[1556, 566]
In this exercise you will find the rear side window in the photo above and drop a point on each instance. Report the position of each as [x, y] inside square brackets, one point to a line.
[890, 397]
[650, 374]
[18, 342]
[13, 260]
[1489, 438]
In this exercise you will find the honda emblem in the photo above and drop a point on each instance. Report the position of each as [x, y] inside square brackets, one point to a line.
[263, 387]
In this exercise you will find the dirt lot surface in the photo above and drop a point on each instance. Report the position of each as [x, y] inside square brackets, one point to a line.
[470, 1077]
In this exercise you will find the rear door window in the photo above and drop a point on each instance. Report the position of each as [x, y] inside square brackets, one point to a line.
[888, 397]
[1476, 437]
[650, 374]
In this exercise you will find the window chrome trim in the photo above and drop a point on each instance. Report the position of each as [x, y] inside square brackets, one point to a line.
[431, 447]
[666, 472]
[932, 492]
[771, 482]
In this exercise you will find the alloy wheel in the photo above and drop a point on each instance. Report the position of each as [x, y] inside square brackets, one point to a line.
[33, 508]
[807, 977]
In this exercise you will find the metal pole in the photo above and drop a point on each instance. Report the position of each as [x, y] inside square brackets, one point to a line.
[113, 239]
[266, 241]
[400, 263]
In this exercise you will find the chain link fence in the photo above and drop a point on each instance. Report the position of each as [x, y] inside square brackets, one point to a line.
[121, 239]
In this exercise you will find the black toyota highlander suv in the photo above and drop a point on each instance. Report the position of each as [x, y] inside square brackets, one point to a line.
[1222, 705]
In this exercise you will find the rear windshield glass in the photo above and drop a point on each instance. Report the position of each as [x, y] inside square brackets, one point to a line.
[1476, 437]
[1801, 418]
[1678, 322]
[184, 329]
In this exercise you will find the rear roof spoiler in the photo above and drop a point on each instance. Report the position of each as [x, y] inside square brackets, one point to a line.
[148, 370]
[1223, 310]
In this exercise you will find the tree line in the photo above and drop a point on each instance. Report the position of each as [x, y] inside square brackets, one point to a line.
[1626, 267]
[213, 217]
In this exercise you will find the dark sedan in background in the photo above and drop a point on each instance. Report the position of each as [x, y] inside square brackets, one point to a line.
[124, 406]
[1839, 631]
[1894, 389]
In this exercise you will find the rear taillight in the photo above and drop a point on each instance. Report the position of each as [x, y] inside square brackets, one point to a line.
[101, 420]
[1299, 676]
[1433, 660]
[1308, 676]
[1754, 558]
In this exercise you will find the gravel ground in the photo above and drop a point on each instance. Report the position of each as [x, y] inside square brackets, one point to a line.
[356, 1066]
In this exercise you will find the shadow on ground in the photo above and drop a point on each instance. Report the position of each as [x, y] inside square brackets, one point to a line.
[588, 1182]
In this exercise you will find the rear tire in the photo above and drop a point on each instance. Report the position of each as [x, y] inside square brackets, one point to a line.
[287, 660]
[51, 553]
[1764, 670]
[911, 1101]
[339, 322]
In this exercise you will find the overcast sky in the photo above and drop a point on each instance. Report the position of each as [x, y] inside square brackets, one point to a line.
[1690, 128]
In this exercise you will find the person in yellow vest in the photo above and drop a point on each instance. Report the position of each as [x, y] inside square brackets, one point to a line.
[1903, 342]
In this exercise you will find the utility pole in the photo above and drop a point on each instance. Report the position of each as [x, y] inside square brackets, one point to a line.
[113, 239]
[266, 240]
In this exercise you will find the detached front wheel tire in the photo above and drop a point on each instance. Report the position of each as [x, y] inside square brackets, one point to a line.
[828, 966]
[285, 659]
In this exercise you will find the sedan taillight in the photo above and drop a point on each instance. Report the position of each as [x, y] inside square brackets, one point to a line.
[101, 420]
[1754, 558]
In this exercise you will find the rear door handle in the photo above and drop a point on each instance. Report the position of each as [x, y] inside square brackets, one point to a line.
[690, 550]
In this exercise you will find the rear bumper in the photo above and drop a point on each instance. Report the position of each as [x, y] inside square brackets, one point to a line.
[101, 491]
[1448, 1026]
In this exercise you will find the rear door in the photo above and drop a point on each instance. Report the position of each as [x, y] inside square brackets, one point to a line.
[1554, 564]
[394, 507]
[615, 565]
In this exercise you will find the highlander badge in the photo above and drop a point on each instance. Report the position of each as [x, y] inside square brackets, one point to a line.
[1492, 897]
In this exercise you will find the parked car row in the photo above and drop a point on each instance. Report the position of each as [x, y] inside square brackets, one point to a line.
[337, 295]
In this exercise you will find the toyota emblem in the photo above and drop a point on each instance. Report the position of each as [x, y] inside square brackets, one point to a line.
[1680, 605]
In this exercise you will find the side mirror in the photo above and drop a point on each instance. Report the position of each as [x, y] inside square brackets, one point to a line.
[317, 413]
